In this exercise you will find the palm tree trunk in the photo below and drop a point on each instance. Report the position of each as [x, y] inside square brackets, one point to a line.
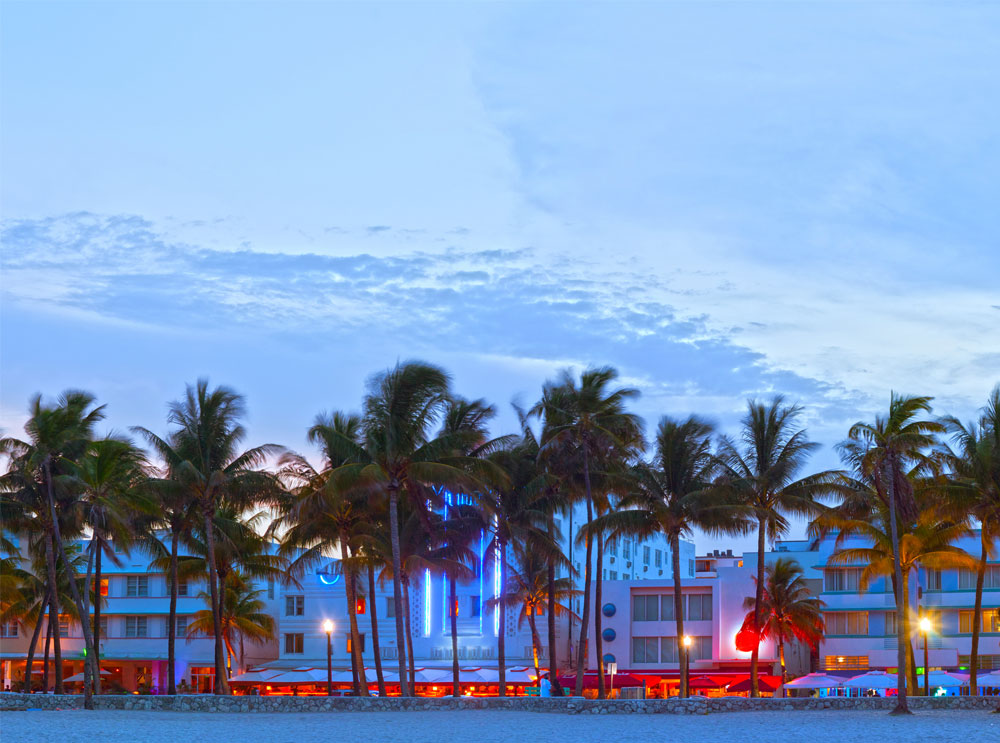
[221, 680]
[557, 690]
[598, 640]
[172, 616]
[358, 646]
[913, 687]
[581, 651]
[352, 617]
[536, 641]
[977, 615]
[569, 614]
[74, 592]
[411, 664]
[45, 657]
[781, 658]
[757, 601]
[675, 561]
[28, 667]
[397, 591]
[54, 615]
[902, 708]
[502, 634]
[97, 618]
[456, 689]
[376, 647]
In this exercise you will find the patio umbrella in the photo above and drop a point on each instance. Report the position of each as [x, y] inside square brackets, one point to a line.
[478, 675]
[704, 682]
[77, 677]
[814, 681]
[431, 675]
[522, 675]
[764, 683]
[991, 679]
[390, 677]
[254, 677]
[310, 676]
[941, 678]
[872, 680]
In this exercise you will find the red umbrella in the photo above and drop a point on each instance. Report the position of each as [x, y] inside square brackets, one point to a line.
[764, 683]
[704, 682]
[590, 681]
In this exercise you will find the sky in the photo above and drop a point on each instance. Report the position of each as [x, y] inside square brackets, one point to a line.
[721, 200]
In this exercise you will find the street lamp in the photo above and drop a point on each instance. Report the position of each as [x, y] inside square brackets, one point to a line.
[328, 628]
[686, 665]
[925, 628]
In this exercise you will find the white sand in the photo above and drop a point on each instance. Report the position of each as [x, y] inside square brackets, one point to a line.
[494, 727]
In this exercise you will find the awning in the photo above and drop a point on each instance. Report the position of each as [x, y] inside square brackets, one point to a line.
[764, 683]
[590, 681]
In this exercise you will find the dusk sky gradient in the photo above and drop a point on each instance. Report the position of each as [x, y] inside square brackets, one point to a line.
[721, 200]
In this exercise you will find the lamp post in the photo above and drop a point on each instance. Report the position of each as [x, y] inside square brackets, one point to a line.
[925, 628]
[686, 665]
[328, 628]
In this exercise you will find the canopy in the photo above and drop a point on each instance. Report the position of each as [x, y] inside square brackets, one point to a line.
[254, 677]
[704, 682]
[477, 675]
[764, 683]
[815, 681]
[522, 675]
[590, 681]
[872, 680]
[431, 675]
[79, 677]
[390, 677]
[310, 676]
[940, 678]
[989, 679]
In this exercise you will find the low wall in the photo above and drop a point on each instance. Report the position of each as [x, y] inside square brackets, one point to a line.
[699, 706]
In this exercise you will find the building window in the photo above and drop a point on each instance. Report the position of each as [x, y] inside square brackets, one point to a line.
[360, 606]
[658, 558]
[119, 547]
[645, 608]
[104, 587]
[8, 629]
[845, 662]
[990, 623]
[361, 641]
[390, 607]
[137, 585]
[645, 649]
[933, 579]
[626, 551]
[270, 588]
[846, 623]
[613, 549]
[691, 567]
[182, 587]
[991, 578]
[474, 606]
[841, 579]
[136, 627]
[64, 625]
[645, 554]
[293, 643]
[295, 606]
[699, 607]
[890, 623]
[182, 625]
[104, 626]
[667, 613]
[614, 575]
[668, 650]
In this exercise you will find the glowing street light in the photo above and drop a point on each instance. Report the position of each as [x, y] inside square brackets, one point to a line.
[925, 628]
[328, 628]
[685, 660]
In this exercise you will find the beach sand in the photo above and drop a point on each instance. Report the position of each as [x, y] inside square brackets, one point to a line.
[74, 726]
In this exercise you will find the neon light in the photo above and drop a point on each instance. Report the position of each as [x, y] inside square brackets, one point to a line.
[482, 555]
[496, 582]
[331, 576]
[445, 628]
[428, 597]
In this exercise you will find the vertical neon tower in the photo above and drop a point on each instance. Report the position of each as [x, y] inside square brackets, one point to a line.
[496, 582]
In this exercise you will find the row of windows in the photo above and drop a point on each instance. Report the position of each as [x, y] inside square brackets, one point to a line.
[137, 586]
[294, 643]
[856, 622]
[133, 626]
[665, 650]
[660, 607]
[849, 579]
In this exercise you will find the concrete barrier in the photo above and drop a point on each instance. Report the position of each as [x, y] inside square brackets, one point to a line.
[576, 705]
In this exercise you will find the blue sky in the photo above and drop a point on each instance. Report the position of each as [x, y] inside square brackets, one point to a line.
[722, 200]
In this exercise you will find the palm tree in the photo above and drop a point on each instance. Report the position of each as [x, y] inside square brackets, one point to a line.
[399, 456]
[57, 435]
[885, 451]
[592, 420]
[243, 618]
[789, 610]
[109, 475]
[669, 497]
[202, 455]
[976, 465]
[761, 474]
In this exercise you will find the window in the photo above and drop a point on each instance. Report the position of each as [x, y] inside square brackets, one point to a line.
[64, 625]
[270, 588]
[8, 629]
[361, 642]
[645, 554]
[691, 567]
[933, 579]
[360, 606]
[668, 650]
[182, 587]
[841, 579]
[890, 623]
[645, 608]
[847, 623]
[293, 642]
[845, 662]
[182, 625]
[474, 606]
[626, 551]
[990, 623]
[699, 606]
[604, 573]
[613, 549]
[119, 547]
[614, 575]
[667, 613]
[136, 627]
[390, 607]
[137, 585]
[701, 648]
[658, 558]
[295, 606]
[991, 579]
[645, 649]
[104, 626]
[104, 587]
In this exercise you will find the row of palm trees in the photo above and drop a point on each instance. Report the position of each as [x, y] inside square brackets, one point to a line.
[383, 500]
